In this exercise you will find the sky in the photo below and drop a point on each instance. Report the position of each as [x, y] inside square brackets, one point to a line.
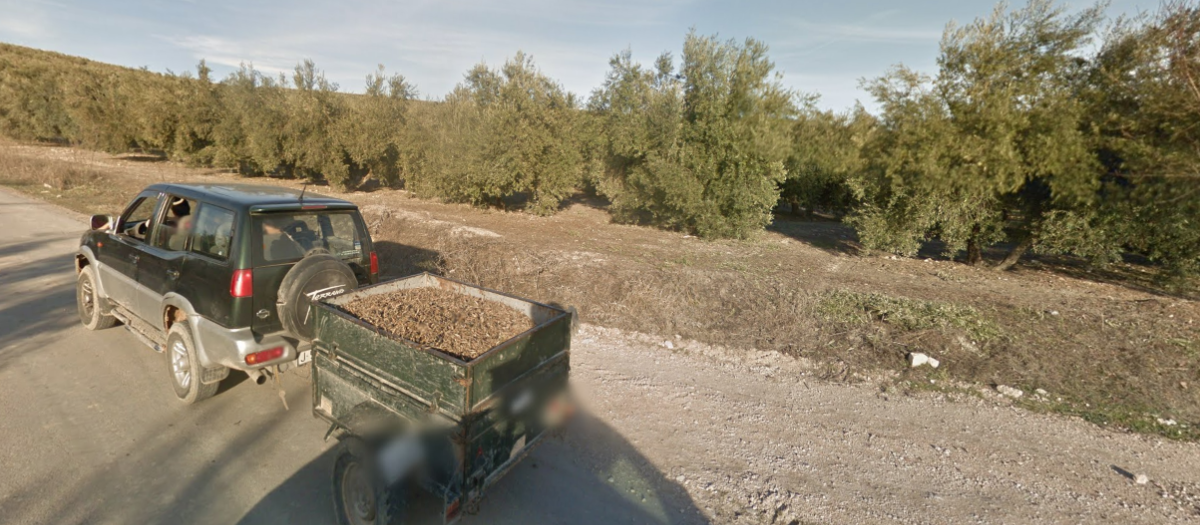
[819, 47]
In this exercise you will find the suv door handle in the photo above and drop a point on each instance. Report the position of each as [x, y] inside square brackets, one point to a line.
[133, 258]
[173, 274]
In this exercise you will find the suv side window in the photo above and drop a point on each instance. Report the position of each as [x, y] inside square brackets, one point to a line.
[212, 232]
[176, 227]
[137, 221]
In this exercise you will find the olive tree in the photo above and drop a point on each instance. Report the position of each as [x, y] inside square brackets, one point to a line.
[1144, 98]
[702, 148]
[992, 144]
[517, 135]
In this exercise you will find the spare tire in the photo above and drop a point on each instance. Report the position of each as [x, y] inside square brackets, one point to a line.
[314, 278]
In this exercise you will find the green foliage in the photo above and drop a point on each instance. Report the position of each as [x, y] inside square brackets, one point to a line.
[1144, 97]
[825, 153]
[199, 112]
[701, 150]
[310, 149]
[996, 134]
[372, 129]
[502, 134]
[1026, 133]
[529, 143]
[31, 98]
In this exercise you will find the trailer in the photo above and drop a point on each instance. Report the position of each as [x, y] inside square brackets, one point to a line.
[409, 414]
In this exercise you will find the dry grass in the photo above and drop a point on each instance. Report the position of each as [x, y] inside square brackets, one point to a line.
[72, 182]
[52, 176]
[907, 314]
[1114, 352]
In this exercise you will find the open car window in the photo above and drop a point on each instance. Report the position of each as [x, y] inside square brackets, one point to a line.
[285, 237]
[137, 220]
[177, 223]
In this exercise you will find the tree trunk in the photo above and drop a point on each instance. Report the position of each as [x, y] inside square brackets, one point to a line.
[974, 252]
[1015, 255]
[794, 204]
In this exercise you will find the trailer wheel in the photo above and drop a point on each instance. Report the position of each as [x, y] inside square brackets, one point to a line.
[360, 496]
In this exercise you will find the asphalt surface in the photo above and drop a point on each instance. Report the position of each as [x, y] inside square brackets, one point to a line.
[91, 433]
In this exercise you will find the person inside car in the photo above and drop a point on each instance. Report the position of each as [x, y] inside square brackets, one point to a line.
[178, 224]
[278, 245]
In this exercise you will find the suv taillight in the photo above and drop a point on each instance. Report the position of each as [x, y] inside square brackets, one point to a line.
[242, 284]
[264, 356]
[374, 264]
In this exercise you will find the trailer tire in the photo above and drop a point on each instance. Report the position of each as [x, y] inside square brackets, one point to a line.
[321, 274]
[360, 496]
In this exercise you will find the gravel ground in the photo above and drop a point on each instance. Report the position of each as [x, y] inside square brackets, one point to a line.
[754, 439]
[457, 324]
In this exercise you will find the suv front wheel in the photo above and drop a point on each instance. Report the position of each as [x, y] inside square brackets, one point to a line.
[87, 298]
[184, 366]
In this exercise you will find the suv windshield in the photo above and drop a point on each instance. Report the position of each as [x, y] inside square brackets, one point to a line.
[289, 236]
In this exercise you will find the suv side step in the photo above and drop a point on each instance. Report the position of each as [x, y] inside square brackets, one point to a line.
[156, 341]
[143, 331]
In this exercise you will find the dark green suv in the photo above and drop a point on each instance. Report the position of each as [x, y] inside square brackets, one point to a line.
[220, 277]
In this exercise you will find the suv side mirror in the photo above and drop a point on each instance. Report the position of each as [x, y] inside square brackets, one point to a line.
[101, 222]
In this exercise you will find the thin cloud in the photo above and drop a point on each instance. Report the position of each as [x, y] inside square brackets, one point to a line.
[232, 53]
[867, 33]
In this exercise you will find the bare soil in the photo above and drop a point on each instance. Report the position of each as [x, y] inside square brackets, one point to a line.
[752, 439]
[457, 324]
[1105, 344]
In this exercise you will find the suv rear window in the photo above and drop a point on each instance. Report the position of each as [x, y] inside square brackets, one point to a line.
[289, 236]
[212, 234]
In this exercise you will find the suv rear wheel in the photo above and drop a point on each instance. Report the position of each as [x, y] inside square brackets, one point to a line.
[87, 297]
[184, 366]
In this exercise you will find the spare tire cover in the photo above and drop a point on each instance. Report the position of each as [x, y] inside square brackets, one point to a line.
[314, 278]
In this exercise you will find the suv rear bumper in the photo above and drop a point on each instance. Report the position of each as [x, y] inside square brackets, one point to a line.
[228, 347]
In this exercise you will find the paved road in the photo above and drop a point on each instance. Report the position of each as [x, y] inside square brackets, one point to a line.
[90, 432]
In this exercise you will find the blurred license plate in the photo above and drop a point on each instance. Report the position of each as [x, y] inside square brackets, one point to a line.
[304, 358]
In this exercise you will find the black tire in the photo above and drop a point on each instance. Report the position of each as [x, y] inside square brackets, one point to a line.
[183, 366]
[360, 496]
[321, 274]
[87, 298]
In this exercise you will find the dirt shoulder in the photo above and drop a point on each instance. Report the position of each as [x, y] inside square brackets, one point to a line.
[1112, 351]
[755, 440]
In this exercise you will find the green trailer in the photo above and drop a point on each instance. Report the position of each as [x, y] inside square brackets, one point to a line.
[406, 413]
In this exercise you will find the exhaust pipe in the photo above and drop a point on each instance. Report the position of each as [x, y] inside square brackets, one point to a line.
[257, 376]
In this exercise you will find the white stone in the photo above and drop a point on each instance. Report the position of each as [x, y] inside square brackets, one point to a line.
[1010, 391]
[1141, 479]
[669, 345]
[1167, 422]
[916, 359]
[1041, 392]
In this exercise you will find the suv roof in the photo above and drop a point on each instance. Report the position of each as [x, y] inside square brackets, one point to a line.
[242, 196]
